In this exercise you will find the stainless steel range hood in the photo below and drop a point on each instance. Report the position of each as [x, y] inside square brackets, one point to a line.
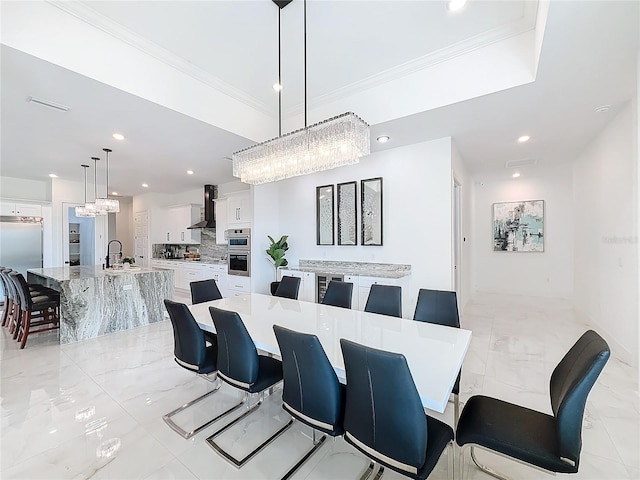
[210, 193]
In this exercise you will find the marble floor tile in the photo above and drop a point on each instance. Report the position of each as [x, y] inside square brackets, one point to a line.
[94, 409]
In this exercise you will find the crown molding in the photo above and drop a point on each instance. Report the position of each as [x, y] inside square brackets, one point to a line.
[125, 35]
[525, 23]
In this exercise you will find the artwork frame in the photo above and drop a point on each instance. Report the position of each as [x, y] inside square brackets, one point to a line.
[325, 213]
[347, 213]
[371, 208]
[518, 226]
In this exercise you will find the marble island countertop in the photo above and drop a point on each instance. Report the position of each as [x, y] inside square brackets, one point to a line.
[382, 270]
[62, 274]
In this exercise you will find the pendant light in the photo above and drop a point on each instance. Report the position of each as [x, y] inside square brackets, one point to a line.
[107, 205]
[91, 206]
[332, 143]
[82, 211]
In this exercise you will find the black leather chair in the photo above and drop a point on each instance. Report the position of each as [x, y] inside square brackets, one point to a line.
[338, 294]
[288, 288]
[240, 366]
[38, 308]
[204, 291]
[441, 307]
[191, 352]
[312, 393]
[384, 416]
[548, 442]
[385, 300]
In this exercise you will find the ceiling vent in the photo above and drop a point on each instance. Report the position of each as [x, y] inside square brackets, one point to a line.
[47, 103]
[520, 163]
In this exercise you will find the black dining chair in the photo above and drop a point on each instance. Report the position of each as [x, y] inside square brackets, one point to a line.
[191, 352]
[312, 393]
[204, 291]
[551, 443]
[338, 294]
[288, 288]
[384, 417]
[240, 366]
[441, 308]
[39, 309]
[385, 300]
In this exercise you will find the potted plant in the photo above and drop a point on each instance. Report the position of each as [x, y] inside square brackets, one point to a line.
[275, 255]
[127, 262]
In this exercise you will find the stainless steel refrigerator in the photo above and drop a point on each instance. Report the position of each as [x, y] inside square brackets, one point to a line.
[21, 243]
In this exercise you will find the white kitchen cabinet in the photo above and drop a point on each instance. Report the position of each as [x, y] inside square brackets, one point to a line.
[365, 287]
[221, 220]
[238, 285]
[239, 209]
[20, 209]
[169, 225]
[189, 273]
[307, 292]
[219, 274]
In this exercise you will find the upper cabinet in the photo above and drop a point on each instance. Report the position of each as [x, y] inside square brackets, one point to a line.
[221, 220]
[239, 209]
[170, 225]
[20, 209]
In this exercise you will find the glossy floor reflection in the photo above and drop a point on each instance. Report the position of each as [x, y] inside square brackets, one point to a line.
[94, 409]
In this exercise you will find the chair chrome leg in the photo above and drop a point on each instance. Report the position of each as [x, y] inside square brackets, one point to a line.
[379, 473]
[316, 446]
[450, 461]
[367, 473]
[240, 462]
[484, 468]
[185, 434]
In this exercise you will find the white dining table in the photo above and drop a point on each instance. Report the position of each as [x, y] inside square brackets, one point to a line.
[434, 353]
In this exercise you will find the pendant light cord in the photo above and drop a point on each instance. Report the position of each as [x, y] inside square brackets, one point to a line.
[84, 167]
[279, 77]
[95, 178]
[107, 150]
[305, 63]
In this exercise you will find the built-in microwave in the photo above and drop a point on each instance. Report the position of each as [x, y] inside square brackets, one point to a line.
[239, 251]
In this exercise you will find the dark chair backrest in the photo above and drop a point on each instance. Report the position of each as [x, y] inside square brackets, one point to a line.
[288, 288]
[338, 294]
[311, 386]
[237, 354]
[437, 306]
[204, 291]
[571, 382]
[385, 299]
[188, 338]
[8, 290]
[22, 289]
[383, 409]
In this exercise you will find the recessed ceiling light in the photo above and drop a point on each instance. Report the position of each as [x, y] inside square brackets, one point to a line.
[114, 193]
[383, 138]
[455, 5]
[524, 138]
[118, 136]
[277, 87]
[189, 172]
[53, 175]
[603, 108]
[515, 175]
[145, 185]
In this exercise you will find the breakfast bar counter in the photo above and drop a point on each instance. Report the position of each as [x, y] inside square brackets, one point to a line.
[95, 302]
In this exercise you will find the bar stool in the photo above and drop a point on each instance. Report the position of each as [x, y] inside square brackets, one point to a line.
[45, 308]
[8, 298]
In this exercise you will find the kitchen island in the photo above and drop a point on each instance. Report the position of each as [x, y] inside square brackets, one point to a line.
[95, 302]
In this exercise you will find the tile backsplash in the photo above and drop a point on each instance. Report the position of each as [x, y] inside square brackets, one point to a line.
[208, 249]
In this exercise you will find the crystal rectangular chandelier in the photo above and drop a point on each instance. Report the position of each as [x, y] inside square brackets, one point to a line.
[332, 143]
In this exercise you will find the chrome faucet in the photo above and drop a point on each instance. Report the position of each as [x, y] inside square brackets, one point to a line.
[117, 253]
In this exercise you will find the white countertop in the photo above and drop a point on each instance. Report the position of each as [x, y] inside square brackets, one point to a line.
[434, 353]
[62, 274]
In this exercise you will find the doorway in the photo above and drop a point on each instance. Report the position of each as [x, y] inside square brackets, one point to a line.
[457, 234]
[78, 237]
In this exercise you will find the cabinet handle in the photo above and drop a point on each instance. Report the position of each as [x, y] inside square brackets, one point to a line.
[238, 213]
[182, 236]
[167, 236]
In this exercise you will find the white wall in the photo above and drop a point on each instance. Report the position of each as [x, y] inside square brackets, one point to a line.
[24, 189]
[606, 233]
[461, 175]
[548, 273]
[417, 203]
